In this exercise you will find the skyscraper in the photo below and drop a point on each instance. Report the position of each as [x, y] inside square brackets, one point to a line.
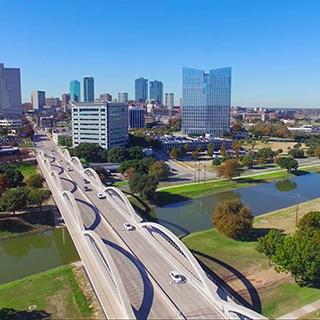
[65, 98]
[136, 117]
[206, 101]
[141, 89]
[122, 97]
[88, 89]
[75, 91]
[38, 100]
[10, 90]
[156, 91]
[169, 102]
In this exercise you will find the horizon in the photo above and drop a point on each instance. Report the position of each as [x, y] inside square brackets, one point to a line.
[274, 59]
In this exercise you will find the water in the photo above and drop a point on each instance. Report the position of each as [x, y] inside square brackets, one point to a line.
[37, 252]
[196, 214]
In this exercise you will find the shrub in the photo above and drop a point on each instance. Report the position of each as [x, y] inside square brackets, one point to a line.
[34, 181]
[296, 153]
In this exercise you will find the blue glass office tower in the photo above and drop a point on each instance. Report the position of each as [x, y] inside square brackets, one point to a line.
[206, 101]
[141, 89]
[88, 89]
[75, 91]
[156, 91]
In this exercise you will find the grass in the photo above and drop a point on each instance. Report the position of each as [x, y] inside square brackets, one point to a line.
[275, 302]
[285, 219]
[55, 292]
[27, 169]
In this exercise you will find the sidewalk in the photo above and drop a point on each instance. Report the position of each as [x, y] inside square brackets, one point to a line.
[302, 311]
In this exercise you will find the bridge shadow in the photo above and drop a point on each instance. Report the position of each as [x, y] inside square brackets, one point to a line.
[60, 168]
[74, 185]
[148, 291]
[97, 218]
[254, 296]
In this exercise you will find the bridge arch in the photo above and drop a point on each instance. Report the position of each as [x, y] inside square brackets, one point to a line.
[105, 254]
[132, 213]
[66, 153]
[73, 207]
[93, 177]
[56, 178]
[76, 162]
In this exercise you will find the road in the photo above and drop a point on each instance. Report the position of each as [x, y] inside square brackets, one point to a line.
[143, 269]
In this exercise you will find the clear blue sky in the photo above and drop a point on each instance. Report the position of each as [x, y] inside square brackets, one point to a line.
[273, 46]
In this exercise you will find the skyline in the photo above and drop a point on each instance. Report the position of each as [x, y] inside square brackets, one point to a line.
[274, 64]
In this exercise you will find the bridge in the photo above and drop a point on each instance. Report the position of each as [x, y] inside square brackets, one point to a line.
[129, 270]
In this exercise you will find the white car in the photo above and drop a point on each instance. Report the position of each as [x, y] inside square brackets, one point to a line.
[128, 226]
[101, 195]
[176, 277]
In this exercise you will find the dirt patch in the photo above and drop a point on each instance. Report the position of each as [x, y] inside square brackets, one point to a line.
[57, 304]
[87, 290]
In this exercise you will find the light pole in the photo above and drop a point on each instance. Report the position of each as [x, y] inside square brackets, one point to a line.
[297, 209]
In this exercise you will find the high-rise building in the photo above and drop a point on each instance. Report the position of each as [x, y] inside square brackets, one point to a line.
[38, 100]
[206, 101]
[136, 117]
[75, 91]
[10, 90]
[141, 89]
[156, 91]
[169, 102]
[123, 97]
[105, 97]
[103, 123]
[53, 102]
[88, 89]
[65, 98]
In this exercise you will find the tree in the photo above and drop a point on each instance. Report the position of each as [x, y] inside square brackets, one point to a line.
[288, 163]
[13, 199]
[223, 150]
[268, 243]
[135, 153]
[134, 183]
[210, 149]
[248, 160]
[119, 154]
[144, 185]
[296, 153]
[195, 154]
[34, 181]
[265, 153]
[236, 146]
[4, 184]
[159, 169]
[233, 219]
[185, 148]
[310, 222]
[174, 153]
[38, 196]
[230, 169]
[88, 151]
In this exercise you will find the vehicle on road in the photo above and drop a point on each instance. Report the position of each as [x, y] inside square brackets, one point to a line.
[69, 169]
[176, 277]
[86, 188]
[128, 226]
[101, 195]
[85, 180]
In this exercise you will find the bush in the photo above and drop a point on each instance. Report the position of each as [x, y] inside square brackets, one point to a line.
[144, 185]
[233, 219]
[34, 181]
[296, 153]
[230, 168]
[288, 163]
[310, 222]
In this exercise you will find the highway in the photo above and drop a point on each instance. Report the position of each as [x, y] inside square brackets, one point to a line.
[143, 265]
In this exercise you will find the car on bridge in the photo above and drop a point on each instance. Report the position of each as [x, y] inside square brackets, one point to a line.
[101, 195]
[177, 278]
[129, 226]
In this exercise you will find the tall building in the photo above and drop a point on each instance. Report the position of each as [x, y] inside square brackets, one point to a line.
[103, 123]
[141, 89]
[136, 117]
[169, 101]
[88, 89]
[123, 97]
[75, 91]
[156, 91]
[105, 97]
[10, 90]
[65, 99]
[38, 100]
[53, 102]
[206, 101]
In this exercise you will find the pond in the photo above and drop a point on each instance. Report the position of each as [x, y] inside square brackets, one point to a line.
[37, 252]
[196, 214]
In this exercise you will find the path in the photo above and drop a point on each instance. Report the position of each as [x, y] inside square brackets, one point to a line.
[299, 313]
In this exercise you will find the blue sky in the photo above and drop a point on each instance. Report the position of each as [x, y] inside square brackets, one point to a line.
[273, 46]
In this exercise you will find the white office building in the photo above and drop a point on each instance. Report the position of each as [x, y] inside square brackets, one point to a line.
[123, 97]
[10, 123]
[10, 91]
[102, 123]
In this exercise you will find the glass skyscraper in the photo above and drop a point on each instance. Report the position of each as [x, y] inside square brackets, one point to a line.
[156, 91]
[75, 91]
[141, 89]
[88, 89]
[206, 101]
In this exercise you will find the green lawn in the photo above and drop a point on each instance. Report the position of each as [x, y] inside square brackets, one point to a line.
[55, 291]
[27, 169]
